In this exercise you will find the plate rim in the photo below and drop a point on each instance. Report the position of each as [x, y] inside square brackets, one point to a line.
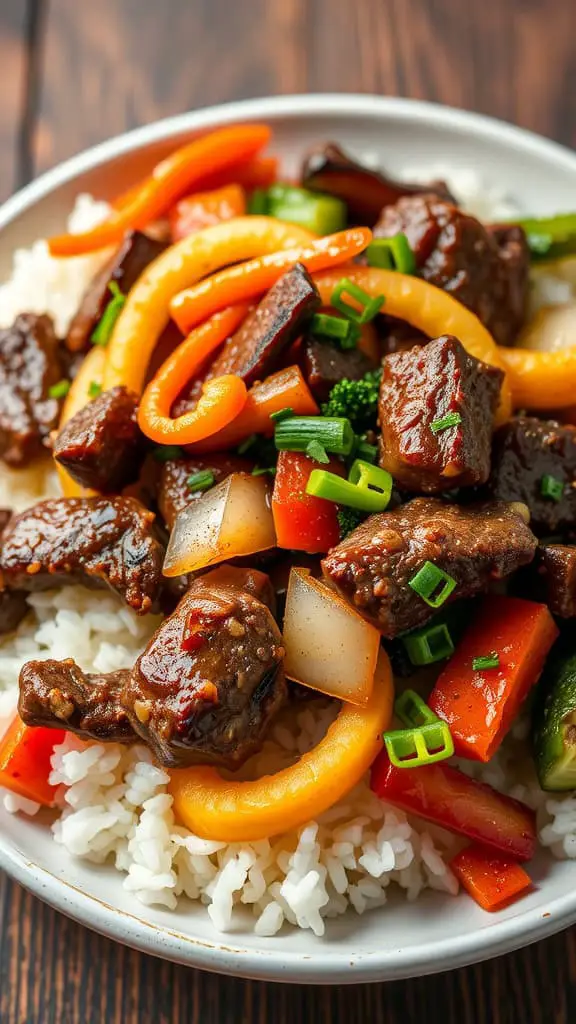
[226, 956]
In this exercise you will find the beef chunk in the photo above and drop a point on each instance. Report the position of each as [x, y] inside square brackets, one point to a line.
[373, 566]
[174, 493]
[485, 270]
[125, 267]
[557, 568]
[524, 451]
[94, 541]
[324, 364]
[277, 321]
[59, 695]
[366, 192]
[100, 446]
[210, 680]
[30, 365]
[13, 606]
[397, 335]
[422, 386]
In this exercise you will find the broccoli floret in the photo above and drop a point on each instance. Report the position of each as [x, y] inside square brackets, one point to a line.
[357, 400]
[348, 520]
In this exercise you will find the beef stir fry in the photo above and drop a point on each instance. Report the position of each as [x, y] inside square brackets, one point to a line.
[281, 402]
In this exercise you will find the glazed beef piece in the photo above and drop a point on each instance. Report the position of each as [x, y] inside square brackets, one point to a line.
[486, 270]
[59, 695]
[420, 388]
[556, 564]
[278, 320]
[525, 451]
[475, 545]
[13, 606]
[366, 192]
[97, 542]
[100, 446]
[125, 267]
[324, 364]
[30, 365]
[174, 494]
[211, 679]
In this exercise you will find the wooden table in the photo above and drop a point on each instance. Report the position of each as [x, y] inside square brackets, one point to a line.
[76, 72]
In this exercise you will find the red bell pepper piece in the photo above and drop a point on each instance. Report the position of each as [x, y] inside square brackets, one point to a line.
[491, 880]
[480, 705]
[25, 761]
[449, 798]
[303, 522]
[203, 209]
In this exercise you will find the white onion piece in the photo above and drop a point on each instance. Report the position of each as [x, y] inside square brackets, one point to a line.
[329, 647]
[232, 519]
[551, 329]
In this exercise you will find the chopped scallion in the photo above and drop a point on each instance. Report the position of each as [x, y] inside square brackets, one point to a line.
[335, 328]
[103, 330]
[551, 487]
[392, 254]
[491, 660]
[94, 389]
[365, 451]
[369, 306]
[246, 445]
[452, 419]
[428, 645]
[203, 480]
[335, 434]
[282, 414]
[432, 584]
[412, 711]
[264, 471]
[413, 748]
[167, 452]
[315, 450]
[368, 489]
[59, 390]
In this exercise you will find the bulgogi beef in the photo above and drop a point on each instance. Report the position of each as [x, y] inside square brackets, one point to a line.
[530, 459]
[174, 492]
[97, 542]
[374, 566]
[13, 606]
[419, 389]
[59, 694]
[324, 364]
[277, 320]
[486, 270]
[366, 192]
[125, 267]
[100, 446]
[30, 365]
[557, 569]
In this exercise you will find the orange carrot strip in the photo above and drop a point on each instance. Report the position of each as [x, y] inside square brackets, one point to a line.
[247, 280]
[492, 881]
[169, 180]
[259, 172]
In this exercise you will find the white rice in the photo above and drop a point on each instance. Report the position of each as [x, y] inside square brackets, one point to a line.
[114, 800]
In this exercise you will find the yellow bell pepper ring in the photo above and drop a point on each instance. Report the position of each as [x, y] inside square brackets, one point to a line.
[236, 812]
[428, 308]
[146, 312]
[541, 380]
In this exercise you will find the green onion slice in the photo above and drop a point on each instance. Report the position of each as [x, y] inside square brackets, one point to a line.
[485, 661]
[167, 452]
[452, 419]
[413, 711]
[103, 330]
[432, 584]
[368, 488]
[334, 433]
[94, 389]
[392, 254]
[551, 487]
[365, 451]
[413, 748]
[203, 480]
[335, 328]
[316, 450]
[369, 306]
[282, 414]
[264, 471]
[59, 390]
[428, 645]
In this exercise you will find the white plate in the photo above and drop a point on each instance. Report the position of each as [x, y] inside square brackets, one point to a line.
[403, 940]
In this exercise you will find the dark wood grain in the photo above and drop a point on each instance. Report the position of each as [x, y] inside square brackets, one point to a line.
[74, 73]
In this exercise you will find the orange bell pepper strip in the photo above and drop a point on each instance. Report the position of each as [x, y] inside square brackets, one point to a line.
[432, 310]
[247, 280]
[89, 375]
[206, 208]
[541, 380]
[146, 312]
[236, 812]
[25, 761]
[169, 180]
[286, 389]
[303, 522]
[492, 881]
[259, 172]
[479, 705]
[221, 400]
